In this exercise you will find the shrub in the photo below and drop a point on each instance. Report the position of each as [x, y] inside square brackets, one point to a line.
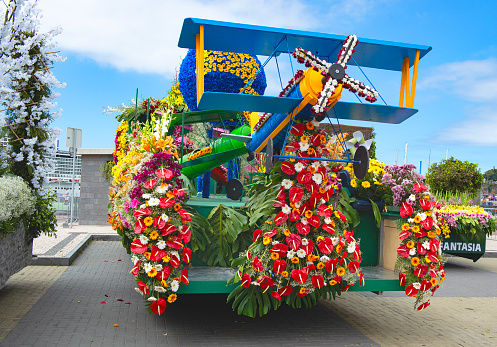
[17, 202]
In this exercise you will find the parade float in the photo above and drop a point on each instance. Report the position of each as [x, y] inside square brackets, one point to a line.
[287, 231]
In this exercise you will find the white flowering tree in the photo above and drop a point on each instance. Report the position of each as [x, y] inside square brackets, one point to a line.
[26, 84]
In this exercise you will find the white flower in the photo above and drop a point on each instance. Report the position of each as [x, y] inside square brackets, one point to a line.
[287, 183]
[146, 196]
[286, 209]
[158, 267]
[143, 239]
[164, 217]
[299, 167]
[304, 242]
[315, 165]
[317, 178]
[303, 220]
[327, 220]
[174, 286]
[412, 251]
[351, 247]
[290, 254]
[410, 220]
[134, 259]
[152, 299]
[324, 259]
[298, 204]
[143, 206]
[426, 244]
[416, 285]
[315, 122]
[153, 202]
[335, 240]
[161, 244]
[159, 289]
[138, 290]
[175, 253]
[423, 216]
[304, 146]
[162, 189]
[147, 267]
[412, 197]
[301, 253]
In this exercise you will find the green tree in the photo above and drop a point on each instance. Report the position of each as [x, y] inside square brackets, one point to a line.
[455, 176]
[490, 175]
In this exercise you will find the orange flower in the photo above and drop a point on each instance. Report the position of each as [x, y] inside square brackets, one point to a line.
[431, 234]
[146, 147]
[433, 282]
[312, 170]
[148, 221]
[320, 265]
[302, 290]
[152, 273]
[415, 261]
[267, 240]
[304, 138]
[170, 194]
[308, 214]
[166, 259]
[309, 126]
[284, 274]
[410, 244]
[287, 232]
[340, 271]
[322, 139]
[417, 219]
[311, 151]
[405, 226]
[333, 282]
[154, 235]
[415, 229]
[147, 255]
[172, 298]
[177, 206]
[275, 256]
[339, 248]
[322, 190]
[295, 260]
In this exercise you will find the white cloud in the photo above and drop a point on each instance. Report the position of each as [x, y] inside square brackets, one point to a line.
[473, 80]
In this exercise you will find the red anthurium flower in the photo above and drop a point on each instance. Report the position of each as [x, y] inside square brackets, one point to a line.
[294, 215]
[402, 279]
[434, 244]
[298, 129]
[292, 146]
[164, 173]
[361, 278]
[347, 286]
[308, 248]
[326, 246]
[142, 212]
[143, 288]
[174, 261]
[287, 290]
[161, 222]
[268, 282]
[315, 139]
[317, 281]
[184, 276]
[314, 221]
[432, 256]
[313, 200]
[256, 235]
[166, 202]
[185, 215]
[425, 285]
[433, 270]
[421, 249]
[337, 278]
[140, 226]
[304, 176]
[280, 218]
[136, 268]
[137, 247]
[279, 203]
[185, 233]
[309, 268]
[167, 229]
[301, 295]
[175, 243]
[425, 204]
[421, 233]
[179, 192]
[295, 194]
[325, 211]
[299, 275]
[304, 208]
[156, 253]
[421, 270]
[163, 274]
[280, 248]
[246, 280]
[276, 295]
[281, 194]
[424, 305]
[411, 291]
[353, 266]
[403, 251]
[256, 264]
[294, 241]
[279, 266]
[328, 194]
[342, 216]
[420, 187]
[158, 306]
[427, 224]
[328, 228]
[344, 255]
[187, 254]
[288, 168]
[149, 184]
[311, 187]
[434, 289]
[357, 253]
[406, 210]
[404, 234]
[348, 235]
[270, 233]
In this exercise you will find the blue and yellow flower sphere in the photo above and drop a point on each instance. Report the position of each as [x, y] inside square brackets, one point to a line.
[223, 72]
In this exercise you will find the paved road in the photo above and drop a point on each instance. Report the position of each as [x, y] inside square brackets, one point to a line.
[60, 306]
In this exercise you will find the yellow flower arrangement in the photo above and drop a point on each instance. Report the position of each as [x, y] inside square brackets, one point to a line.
[200, 153]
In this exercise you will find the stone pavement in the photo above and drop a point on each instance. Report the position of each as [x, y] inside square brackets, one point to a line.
[61, 306]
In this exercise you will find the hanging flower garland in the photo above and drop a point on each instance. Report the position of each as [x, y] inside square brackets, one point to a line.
[305, 247]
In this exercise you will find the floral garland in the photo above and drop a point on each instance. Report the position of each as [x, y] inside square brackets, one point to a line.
[309, 250]
[419, 254]
[468, 220]
[200, 153]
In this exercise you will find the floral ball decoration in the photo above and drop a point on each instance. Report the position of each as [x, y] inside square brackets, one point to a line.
[223, 72]
[305, 250]
[419, 256]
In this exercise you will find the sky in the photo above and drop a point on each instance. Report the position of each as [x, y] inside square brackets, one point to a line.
[114, 47]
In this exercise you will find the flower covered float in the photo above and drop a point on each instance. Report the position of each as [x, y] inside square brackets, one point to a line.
[305, 250]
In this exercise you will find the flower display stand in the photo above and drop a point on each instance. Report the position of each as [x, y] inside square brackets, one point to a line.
[473, 248]
[389, 239]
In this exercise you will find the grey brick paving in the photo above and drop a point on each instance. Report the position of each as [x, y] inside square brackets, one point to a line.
[58, 319]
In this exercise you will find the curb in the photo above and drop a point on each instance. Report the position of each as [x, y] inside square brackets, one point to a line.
[73, 254]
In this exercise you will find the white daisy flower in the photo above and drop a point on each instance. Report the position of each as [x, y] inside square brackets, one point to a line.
[416, 285]
[315, 165]
[152, 299]
[161, 244]
[143, 206]
[304, 221]
[146, 196]
[174, 286]
[423, 216]
[426, 244]
[290, 254]
[304, 146]
[335, 240]
[153, 202]
[159, 289]
[324, 259]
[143, 239]
[351, 247]
[147, 267]
[158, 267]
[299, 167]
[286, 209]
[317, 178]
[327, 220]
[164, 217]
[301, 253]
[412, 197]
[298, 204]
[305, 241]
[287, 183]
[410, 220]
[134, 259]
[412, 251]
[162, 189]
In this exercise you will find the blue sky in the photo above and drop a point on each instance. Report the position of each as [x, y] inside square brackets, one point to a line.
[113, 47]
